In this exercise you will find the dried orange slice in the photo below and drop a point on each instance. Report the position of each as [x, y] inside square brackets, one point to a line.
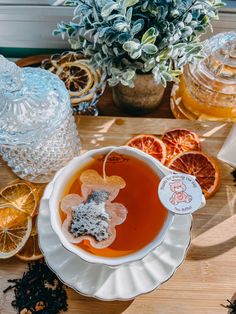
[37, 188]
[203, 167]
[10, 216]
[31, 250]
[15, 228]
[178, 141]
[55, 61]
[77, 100]
[76, 76]
[81, 79]
[149, 144]
[21, 196]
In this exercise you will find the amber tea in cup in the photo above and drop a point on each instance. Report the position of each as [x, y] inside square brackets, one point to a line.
[145, 213]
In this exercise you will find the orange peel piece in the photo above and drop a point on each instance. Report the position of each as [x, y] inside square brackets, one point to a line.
[117, 213]
[31, 250]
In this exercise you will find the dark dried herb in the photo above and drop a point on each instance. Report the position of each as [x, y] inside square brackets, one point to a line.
[39, 291]
[234, 174]
[231, 306]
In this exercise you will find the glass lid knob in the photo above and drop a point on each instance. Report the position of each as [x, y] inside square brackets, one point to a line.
[11, 77]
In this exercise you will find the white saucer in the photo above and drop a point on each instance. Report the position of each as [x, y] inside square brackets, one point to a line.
[103, 282]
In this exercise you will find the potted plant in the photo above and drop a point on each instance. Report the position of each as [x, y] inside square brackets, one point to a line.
[143, 44]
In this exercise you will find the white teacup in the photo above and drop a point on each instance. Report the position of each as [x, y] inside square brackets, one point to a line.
[62, 179]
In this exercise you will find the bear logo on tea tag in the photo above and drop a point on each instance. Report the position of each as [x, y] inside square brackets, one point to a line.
[180, 193]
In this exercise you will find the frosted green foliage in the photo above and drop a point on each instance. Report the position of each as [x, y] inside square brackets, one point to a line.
[135, 36]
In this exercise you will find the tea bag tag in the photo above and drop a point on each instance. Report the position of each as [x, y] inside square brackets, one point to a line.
[181, 193]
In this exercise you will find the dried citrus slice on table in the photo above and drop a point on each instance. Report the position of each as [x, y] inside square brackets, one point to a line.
[37, 189]
[21, 196]
[178, 141]
[15, 229]
[31, 250]
[55, 61]
[150, 145]
[202, 166]
[83, 81]
[77, 77]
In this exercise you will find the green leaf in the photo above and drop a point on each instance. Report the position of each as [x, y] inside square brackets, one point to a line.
[56, 32]
[108, 8]
[137, 26]
[123, 37]
[150, 40]
[149, 36]
[150, 49]
[134, 48]
[188, 18]
[130, 46]
[130, 3]
[129, 14]
[136, 53]
[149, 65]
[121, 26]
[176, 73]
[163, 81]
[129, 75]
[75, 44]
[167, 76]
[165, 54]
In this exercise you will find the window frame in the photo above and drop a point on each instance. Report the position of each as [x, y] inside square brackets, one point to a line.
[18, 23]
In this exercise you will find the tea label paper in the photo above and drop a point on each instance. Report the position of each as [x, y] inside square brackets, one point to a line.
[180, 193]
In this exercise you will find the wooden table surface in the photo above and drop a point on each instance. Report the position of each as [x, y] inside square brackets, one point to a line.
[208, 275]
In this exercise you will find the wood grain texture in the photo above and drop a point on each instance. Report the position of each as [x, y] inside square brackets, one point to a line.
[207, 277]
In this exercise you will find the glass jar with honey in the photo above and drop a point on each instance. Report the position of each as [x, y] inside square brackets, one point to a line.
[207, 89]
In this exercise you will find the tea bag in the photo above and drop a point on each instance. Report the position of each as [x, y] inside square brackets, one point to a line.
[228, 150]
[93, 216]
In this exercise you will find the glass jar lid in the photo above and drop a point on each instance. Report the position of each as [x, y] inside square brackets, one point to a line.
[33, 103]
[217, 70]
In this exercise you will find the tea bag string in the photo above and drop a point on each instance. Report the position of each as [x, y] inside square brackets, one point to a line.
[105, 161]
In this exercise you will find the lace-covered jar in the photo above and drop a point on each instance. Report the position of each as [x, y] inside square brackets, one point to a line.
[207, 89]
[38, 133]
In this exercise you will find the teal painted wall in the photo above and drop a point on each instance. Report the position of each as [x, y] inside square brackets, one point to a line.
[26, 52]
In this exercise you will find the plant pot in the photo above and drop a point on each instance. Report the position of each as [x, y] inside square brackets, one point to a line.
[144, 97]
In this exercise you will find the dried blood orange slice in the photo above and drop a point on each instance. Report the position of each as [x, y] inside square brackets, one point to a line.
[150, 145]
[203, 167]
[178, 141]
[15, 228]
[31, 250]
[21, 196]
